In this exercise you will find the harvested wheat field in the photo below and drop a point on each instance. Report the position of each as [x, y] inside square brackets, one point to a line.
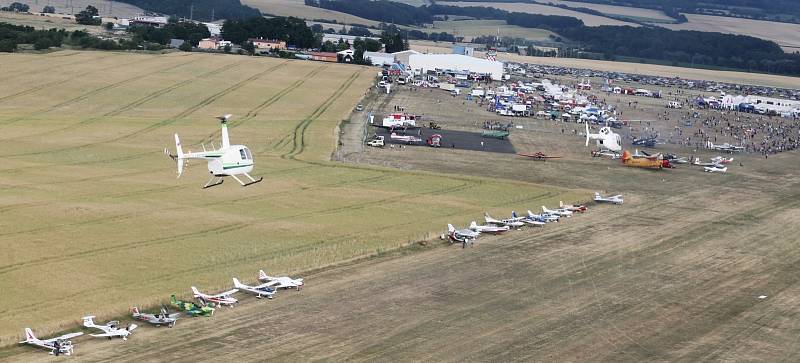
[95, 221]
[785, 34]
[470, 29]
[631, 12]
[298, 9]
[588, 19]
[105, 8]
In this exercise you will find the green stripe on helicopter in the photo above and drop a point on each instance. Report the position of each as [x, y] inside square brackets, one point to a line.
[231, 166]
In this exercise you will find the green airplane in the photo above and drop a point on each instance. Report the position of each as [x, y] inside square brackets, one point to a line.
[191, 308]
[495, 134]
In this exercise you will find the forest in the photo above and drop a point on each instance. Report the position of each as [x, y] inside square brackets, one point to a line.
[203, 10]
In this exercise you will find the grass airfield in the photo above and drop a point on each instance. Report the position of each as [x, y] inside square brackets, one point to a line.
[95, 221]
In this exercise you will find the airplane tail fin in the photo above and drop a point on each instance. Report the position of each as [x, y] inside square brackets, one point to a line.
[173, 299]
[596, 195]
[135, 311]
[195, 291]
[29, 337]
[179, 158]
[450, 228]
[544, 209]
[88, 321]
[131, 327]
[237, 284]
[560, 204]
[262, 275]
[626, 155]
[473, 225]
[530, 214]
[514, 214]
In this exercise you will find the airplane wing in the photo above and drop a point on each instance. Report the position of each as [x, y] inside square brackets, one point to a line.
[226, 293]
[63, 337]
[108, 334]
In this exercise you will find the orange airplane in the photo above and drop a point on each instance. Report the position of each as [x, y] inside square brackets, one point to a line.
[650, 162]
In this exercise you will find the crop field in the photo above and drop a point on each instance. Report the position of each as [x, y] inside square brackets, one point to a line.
[631, 12]
[105, 8]
[693, 267]
[95, 221]
[785, 34]
[470, 29]
[46, 22]
[299, 9]
[588, 19]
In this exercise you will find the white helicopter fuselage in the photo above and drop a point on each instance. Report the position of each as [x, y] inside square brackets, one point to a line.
[234, 160]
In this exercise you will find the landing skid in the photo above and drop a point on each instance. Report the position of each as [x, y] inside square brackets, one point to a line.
[252, 181]
[212, 183]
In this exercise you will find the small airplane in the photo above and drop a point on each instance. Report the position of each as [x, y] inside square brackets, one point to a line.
[649, 162]
[503, 222]
[715, 169]
[110, 329]
[540, 156]
[280, 282]
[527, 220]
[58, 345]
[605, 138]
[561, 212]
[191, 308]
[572, 208]
[614, 199]
[726, 147]
[162, 318]
[228, 160]
[712, 163]
[259, 290]
[405, 138]
[721, 160]
[644, 141]
[545, 218]
[465, 236]
[221, 299]
[488, 228]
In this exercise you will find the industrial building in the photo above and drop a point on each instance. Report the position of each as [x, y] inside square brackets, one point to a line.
[379, 58]
[422, 63]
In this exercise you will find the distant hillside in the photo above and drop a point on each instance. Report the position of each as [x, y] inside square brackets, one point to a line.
[203, 10]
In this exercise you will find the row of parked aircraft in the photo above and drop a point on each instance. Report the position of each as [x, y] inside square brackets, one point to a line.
[205, 306]
[493, 225]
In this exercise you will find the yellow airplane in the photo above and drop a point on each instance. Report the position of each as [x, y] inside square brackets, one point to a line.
[650, 162]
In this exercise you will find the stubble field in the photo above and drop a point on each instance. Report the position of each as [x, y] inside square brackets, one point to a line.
[95, 221]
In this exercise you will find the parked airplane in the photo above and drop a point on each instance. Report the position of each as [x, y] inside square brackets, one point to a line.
[58, 345]
[259, 290]
[221, 299]
[162, 318]
[561, 212]
[699, 163]
[191, 308]
[228, 160]
[461, 235]
[280, 282]
[546, 218]
[110, 329]
[527, 220]
[650, 162]
[540, 156]
[615, 199]
[645, 141]
[572, 208]
[606, 138]
[726, 147]
[405, 138]
[721, 160]
[716, 169]
[488, 228]
[503, 222]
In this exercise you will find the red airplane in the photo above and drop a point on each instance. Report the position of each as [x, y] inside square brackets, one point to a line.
[539, 156]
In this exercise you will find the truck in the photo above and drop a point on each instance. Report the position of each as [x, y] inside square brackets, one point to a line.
[377, 141]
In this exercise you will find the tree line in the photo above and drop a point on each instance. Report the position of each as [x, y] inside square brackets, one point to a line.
[203, 10]
[291, 30]
[11, 36]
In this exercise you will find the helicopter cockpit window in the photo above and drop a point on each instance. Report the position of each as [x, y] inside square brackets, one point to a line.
[242, 154]
[249, 155]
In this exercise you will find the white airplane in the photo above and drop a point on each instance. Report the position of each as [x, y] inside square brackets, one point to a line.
[461, 235]
[504, 222]
[615, 199]
[572, 208]
[544, 218]
[259, 290]
[715, 169]
[405, 138]
[561, 212]
[726, 147]
[221, 299]
[489, 228]
[527, 220]
[228, 160]
[280, 282]
[606, 139]
[699, 163]
[57, 345]
[110, 329]
[162, 318]
[721, 160]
